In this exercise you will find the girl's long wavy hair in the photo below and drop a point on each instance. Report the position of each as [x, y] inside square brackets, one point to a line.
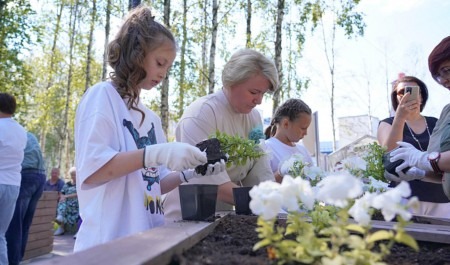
[139, 35]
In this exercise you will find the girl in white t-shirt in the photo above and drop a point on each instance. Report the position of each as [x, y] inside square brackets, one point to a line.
[123, 162]
[288, 126]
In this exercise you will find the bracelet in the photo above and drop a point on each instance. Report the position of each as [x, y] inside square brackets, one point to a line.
[184, 176]
[143, 157]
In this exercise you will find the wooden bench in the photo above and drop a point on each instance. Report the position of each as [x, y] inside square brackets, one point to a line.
[40, 237]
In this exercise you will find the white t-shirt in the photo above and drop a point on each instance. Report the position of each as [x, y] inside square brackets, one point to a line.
[200, 120]
[13, 139]
[104, 126]
[280, 152]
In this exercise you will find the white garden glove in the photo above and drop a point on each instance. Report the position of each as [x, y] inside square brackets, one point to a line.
[412, 174]
[284, 168]
[212, 169]
[175, 156]
[412, 157]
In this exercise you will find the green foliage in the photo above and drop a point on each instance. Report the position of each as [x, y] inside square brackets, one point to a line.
[374, 159]
[324, 236]
[17, 33]
[238, 149]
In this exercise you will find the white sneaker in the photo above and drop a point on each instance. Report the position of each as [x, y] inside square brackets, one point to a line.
[59, 231]
[59, 219]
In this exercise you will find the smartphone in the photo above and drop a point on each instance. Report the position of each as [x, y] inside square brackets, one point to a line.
[413, 90]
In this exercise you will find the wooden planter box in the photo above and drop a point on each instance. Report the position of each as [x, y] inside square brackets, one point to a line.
[40, 237]
[175, 237]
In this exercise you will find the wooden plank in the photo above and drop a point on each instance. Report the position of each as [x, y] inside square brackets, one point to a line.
[37, 252]
[40, 235]
[49, 195]
[43, 219]
[46, 204]
[45, 212]
[155, 246]
[43, 242]
[422, 232]
[41, 227]
[432, 220]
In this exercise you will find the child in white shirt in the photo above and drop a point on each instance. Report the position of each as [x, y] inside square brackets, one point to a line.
[289, 125]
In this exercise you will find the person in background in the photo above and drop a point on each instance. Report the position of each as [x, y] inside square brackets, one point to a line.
[121, 154]
[55, 183]
[288, 126]
[31, 188]
[436, 159]
[13, 139]
[67, 211]
[246, 77]
[410, 126]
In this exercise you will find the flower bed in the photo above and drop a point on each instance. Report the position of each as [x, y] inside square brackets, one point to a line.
[233, 239]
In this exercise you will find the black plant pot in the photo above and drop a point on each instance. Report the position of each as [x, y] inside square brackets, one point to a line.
[242, 200]
[198, 201]
[213, 153]
[391, 166]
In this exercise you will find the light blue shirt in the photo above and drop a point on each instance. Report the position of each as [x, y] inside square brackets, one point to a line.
[33, 155]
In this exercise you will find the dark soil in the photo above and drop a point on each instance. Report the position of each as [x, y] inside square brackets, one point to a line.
[233, 240]
[213, 154]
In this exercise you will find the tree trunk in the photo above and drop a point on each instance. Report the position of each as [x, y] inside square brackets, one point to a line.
[181, 83]
[165, 84]
[212, 52]
[89, 47]
[204, 65]
[248, 43]
[51, 70]
[107, 29]
[72, 34]
[278, 50]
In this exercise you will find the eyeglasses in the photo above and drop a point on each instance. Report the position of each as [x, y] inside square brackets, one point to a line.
[443, 74]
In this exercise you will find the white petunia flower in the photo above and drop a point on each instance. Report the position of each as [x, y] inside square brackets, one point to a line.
[378, 185]
[296, 190]
[360, 210]
[336, 189]
[354, 162]
[314, 173]
[266, 199]
[390, 204]
[289, 165]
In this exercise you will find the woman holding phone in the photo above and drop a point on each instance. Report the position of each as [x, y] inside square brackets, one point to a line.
[436, 159]
[409, 96]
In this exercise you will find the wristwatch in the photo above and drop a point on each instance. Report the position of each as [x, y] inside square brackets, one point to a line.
[434, 157]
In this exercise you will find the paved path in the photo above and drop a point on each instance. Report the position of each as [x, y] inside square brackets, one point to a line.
[62, 246]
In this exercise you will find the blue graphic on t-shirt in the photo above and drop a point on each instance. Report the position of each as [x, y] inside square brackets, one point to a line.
[151, 175]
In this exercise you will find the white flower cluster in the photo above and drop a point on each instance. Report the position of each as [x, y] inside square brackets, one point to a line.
[295, 161]
[269, 198]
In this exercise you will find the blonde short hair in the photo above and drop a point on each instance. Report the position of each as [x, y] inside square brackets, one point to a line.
[246, 63]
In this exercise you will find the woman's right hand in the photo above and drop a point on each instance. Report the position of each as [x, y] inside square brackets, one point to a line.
[407, 107]
[175, 156]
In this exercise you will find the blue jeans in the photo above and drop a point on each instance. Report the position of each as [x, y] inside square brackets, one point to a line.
[31, 189]
[8, 197]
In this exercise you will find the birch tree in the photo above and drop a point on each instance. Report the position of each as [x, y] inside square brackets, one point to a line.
[212, 50]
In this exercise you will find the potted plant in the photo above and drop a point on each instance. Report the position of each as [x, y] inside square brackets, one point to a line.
[239, 151]
[198, 200]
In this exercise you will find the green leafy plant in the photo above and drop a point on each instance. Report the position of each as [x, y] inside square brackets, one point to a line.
[238, 149]
[374, 159]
